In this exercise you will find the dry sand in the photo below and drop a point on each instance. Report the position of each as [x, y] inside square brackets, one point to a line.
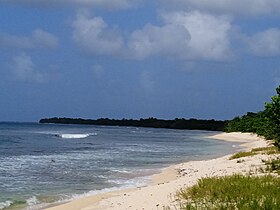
[161, 193]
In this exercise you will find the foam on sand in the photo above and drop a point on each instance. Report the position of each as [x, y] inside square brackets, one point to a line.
[5, 204]
[32, 201]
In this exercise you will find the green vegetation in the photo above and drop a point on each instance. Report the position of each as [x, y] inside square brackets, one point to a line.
[238, 191]
[264, 123]
[190, 124]
[233, 192]
[267, 150]
[242, 154]
[273, 166]
[260, 150]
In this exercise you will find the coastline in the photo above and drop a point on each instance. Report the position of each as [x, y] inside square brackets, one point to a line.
[161, 192]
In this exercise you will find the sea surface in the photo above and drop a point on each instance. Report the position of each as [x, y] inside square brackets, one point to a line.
[43, 164]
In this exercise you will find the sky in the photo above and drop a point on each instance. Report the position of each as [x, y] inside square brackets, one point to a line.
[206, 59]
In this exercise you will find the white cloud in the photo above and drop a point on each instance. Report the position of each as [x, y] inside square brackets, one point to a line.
[24, 70]
[38, 39]
[209, 34]
[233, 7]
[106, 4]
[93, 35]
[266, 43]
[183, 35]
[152, 40]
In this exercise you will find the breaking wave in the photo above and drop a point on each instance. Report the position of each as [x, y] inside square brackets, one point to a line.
[76, 136]
[5, 204]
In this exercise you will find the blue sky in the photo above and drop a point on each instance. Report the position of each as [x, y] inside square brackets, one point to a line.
[132, 59]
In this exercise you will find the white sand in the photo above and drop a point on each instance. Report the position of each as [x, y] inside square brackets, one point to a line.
[161, 193]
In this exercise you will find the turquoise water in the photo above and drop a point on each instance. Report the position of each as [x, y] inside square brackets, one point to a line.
[42, 164]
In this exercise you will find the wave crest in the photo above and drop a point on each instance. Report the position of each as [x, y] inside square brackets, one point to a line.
[76, 136]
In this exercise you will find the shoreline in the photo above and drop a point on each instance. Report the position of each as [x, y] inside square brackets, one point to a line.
[160, 193]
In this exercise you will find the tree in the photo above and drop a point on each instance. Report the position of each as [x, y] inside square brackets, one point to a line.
[264, 123]
[272, 110]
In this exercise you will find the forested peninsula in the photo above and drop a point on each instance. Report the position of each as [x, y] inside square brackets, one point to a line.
[189, 124]
[265, 123]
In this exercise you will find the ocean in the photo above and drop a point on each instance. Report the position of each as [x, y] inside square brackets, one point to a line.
[46, 164]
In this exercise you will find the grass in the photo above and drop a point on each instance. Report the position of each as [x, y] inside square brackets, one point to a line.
[238, 192]
[233, 192]
[260, 150]
[267, 150]
[273, 166]
[242, 154]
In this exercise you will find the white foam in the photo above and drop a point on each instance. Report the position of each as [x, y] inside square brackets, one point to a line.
[128, 184]
[32, 201]
[121, 171]
[76, 136]
[5, 204]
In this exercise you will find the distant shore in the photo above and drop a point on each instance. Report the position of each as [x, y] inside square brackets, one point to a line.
[161, 192]
[182, 124]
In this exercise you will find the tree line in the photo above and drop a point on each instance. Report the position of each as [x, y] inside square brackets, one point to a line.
[190, 124]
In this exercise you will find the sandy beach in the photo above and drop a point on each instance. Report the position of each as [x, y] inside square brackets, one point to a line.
[161, 192]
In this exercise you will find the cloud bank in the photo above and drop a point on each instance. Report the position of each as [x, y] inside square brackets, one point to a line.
[183, 35]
